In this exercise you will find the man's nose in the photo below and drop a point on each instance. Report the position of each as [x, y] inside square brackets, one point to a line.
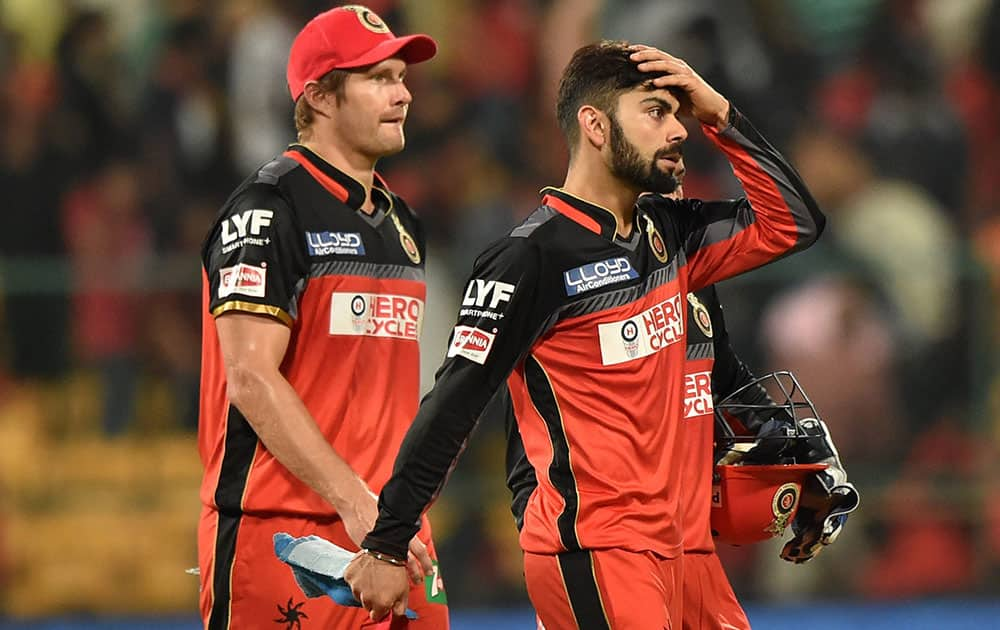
[676, 132]
[402, 95]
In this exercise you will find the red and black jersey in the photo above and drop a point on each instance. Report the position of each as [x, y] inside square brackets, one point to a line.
[293, 243]
[712, 371]
[588, 331]
[698, 425]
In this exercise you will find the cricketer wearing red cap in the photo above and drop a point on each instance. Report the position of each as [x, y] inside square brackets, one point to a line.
[313, 304]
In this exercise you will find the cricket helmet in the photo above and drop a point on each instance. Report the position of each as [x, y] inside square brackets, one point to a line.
[763, 459]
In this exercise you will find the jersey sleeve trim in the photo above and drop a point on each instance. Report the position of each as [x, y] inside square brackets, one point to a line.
[256, 309]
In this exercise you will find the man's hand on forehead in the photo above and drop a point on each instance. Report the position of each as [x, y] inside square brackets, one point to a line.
[673, 74]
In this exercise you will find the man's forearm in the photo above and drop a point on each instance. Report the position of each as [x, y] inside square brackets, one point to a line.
[291, 435]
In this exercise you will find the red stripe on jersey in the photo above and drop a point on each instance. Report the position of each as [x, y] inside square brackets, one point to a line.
[762, 192]
[335, 189]
[760, 188]
[572, 213]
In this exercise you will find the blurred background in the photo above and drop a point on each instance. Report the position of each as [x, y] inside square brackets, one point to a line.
[124, 125]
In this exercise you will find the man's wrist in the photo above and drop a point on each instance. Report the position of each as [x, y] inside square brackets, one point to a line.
[722, 120]
[384, 557]
[378, 545]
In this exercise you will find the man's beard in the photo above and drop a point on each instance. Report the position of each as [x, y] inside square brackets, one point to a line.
[628, 165]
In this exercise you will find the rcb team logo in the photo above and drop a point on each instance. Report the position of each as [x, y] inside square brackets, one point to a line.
[784, 502]
[701, 316]
[656, 241]
[368, 18]
[406, 241]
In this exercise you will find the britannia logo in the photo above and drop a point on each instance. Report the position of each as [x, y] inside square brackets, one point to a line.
[630, 335]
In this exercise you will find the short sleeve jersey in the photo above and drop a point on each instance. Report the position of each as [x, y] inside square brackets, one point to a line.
[292, 243]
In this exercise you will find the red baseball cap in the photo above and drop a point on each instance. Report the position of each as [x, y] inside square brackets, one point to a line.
[350, 36]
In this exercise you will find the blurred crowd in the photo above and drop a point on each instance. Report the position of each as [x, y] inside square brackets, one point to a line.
[126, 124]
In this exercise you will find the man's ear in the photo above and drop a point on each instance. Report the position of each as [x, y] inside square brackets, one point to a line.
[595, 126]
[322, 102]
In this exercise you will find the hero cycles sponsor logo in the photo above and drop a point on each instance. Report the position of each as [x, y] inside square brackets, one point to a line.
[376, 315]
[698, 394]
[644, 334]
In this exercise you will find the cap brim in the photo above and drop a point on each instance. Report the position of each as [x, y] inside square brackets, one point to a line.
[409, 48]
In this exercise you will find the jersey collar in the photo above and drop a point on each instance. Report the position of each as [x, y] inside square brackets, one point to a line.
[597, 219]
[345, 188]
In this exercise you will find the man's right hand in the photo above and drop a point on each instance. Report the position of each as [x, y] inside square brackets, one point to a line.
[359, 519]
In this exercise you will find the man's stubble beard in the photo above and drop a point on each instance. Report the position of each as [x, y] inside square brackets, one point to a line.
[627, 164]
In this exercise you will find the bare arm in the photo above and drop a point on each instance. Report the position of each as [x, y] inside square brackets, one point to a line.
[253, 347]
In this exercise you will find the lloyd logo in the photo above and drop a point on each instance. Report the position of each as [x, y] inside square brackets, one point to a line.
[244, 224]
[327, 243]
[597, 275]
[698, 394]
[376, 315]
[480, 291]
[644, 334]
[472, 343]
[243, 279]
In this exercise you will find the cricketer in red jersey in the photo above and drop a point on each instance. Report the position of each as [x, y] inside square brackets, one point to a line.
[713, 372]
[313, 304]
[580, 309]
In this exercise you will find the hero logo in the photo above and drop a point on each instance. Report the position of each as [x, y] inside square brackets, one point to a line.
[479, 291]
[245, 228]
[644, 334]
[472, 343]
[598, 274]
[698, 394]
[243, 279]
[326, 243]
[376, 315]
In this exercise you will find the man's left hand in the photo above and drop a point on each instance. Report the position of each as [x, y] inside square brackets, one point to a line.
[707, 105]
[823, 511]
[380, 586]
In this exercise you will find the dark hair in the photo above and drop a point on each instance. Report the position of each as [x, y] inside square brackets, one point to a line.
[596, 75]
[331, 82]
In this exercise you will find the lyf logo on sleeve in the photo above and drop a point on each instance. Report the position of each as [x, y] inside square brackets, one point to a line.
[644, 334]
[698, 394]
[245, 228]
[472, 343]
[376, 315]
[487, 293]
[243, 279]
[599, 274]
[483, 297]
